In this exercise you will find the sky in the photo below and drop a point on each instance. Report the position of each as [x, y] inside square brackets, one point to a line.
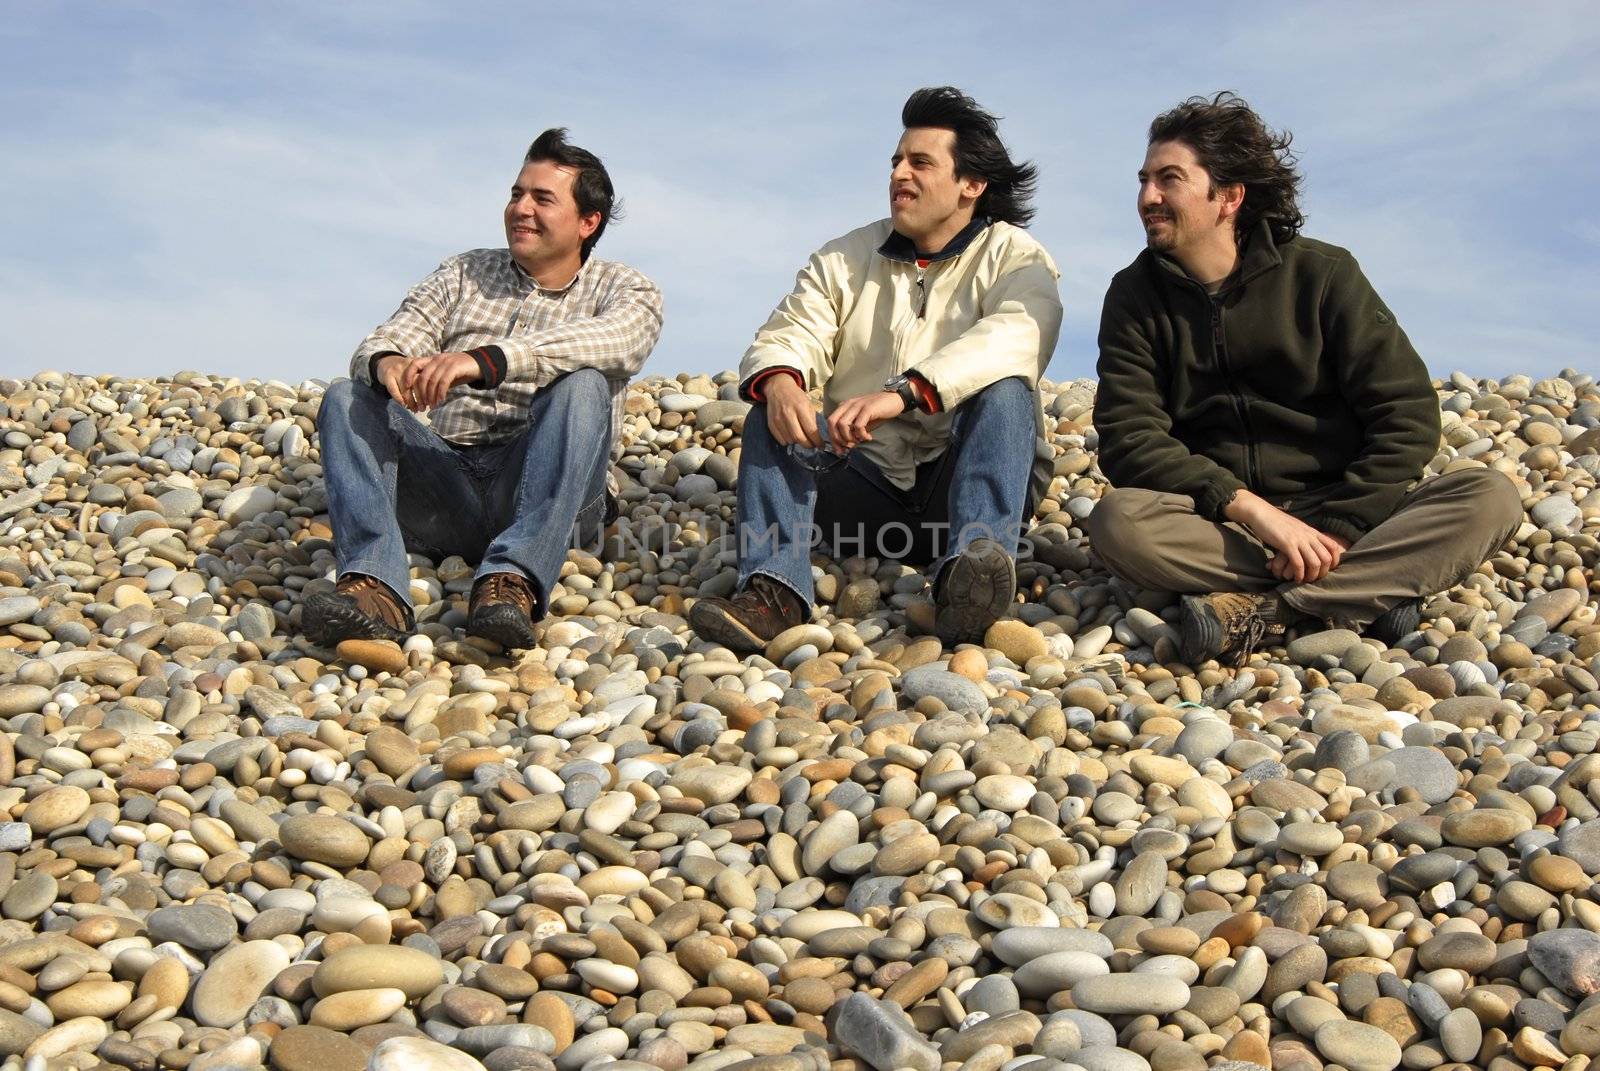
[247, 189]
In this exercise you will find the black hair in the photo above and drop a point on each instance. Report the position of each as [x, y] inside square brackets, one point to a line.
[591, 185]
[979, 152]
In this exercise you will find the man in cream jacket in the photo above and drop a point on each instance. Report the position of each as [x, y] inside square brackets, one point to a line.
[926, 334]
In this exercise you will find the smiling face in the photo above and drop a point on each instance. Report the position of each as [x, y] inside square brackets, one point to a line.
[928, 202]
[544, 229]
[1180, 210]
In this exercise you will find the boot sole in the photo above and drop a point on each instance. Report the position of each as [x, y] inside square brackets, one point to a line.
[1200, 631]
[328, 620]
[505, 625]
[979, 587]
[714, 623]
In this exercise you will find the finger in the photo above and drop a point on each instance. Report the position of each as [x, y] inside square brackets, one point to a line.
[784, 428]
[1295, 566]
[1335, 551]
[794, 430]
[806, 420]
[408, 382]
[438, 384]
[839, 427]
[1311, 554]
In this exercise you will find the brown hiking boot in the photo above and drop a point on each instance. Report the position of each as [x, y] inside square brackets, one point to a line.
[975, 590]
[360, 607]
[502, 610]
[747, 622]
[1229, 625]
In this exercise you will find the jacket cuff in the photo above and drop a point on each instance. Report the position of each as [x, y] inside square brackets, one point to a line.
[927, 394]
[1216, 494]
[491, 366]
[1339, 524]
[372, 366]
[752, 390]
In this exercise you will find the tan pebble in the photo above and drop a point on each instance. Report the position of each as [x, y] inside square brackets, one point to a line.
[1211, 952]
[1240, 929]
[969, 662]
[355, 1008]
[1557, 873]
[83, 1034]
[1248, 1046]
[56, 807]
[167, 980]
[1169, 940]
[102, 999]
[378, 967]
[380, 656]
[552, 1013]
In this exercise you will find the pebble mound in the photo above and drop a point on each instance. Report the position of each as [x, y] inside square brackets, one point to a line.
[222, 847]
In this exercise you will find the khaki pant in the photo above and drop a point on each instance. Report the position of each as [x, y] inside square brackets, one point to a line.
[1444, 528]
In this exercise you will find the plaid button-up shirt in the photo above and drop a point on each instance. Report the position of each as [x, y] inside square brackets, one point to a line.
[607, 318]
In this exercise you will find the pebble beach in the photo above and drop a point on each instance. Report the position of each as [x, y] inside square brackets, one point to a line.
[222, 847]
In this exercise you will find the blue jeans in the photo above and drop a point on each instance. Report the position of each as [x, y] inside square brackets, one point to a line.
[395, 486]
[790, 496]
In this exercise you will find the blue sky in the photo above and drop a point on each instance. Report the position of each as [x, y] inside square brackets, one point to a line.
[248, 189]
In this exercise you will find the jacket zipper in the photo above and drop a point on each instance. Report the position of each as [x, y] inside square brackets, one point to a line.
[904, 326]
[1219, 350]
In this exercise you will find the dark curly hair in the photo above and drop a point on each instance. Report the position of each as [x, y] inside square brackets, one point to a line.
[1234, 145]
[979, 151]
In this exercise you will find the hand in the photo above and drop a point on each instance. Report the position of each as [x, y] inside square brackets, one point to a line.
[851, 424]
[1302, 555]
[391, 372]
[429, 379]
[791, 416]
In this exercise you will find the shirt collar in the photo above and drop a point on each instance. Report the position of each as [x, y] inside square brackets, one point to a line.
[522, 273]
[898, 247]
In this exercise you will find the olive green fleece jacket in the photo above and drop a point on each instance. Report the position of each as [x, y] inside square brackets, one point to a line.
[1293, 380]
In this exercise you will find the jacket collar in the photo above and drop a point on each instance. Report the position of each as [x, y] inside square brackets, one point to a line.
[1258, 254]
[898, 247]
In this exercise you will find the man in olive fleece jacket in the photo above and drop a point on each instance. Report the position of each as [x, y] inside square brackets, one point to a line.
[1262, 415]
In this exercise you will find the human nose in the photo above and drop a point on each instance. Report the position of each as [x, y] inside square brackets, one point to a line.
[900, 171]
[1149, 196]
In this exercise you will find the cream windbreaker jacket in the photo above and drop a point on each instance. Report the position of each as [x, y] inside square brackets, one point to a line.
[862, 311]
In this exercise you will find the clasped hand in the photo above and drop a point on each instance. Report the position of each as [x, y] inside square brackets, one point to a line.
[792, 419]
[1302, 554]
[420, 383]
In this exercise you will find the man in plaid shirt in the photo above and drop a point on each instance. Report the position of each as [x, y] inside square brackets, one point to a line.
[519, 358]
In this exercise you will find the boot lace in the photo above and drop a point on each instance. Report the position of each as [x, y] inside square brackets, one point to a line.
[1243, 626]
[372, 599]
[504, 587]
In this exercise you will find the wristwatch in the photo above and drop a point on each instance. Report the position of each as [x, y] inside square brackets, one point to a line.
[901, 385]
